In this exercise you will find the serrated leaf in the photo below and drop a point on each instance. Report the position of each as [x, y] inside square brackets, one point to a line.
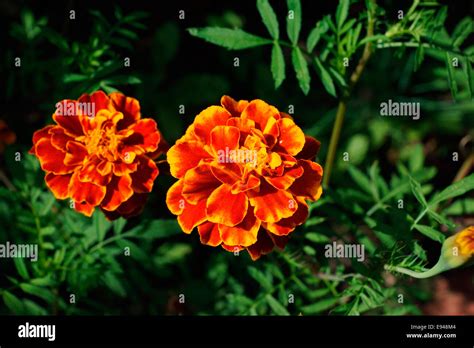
[315, 35]
[276, 306]
[319, 306]
[457, 189]
[13, 303]
[462, 31]
[453, 86]
[469, 76]
[21, 268]
[342, 12]
[38, 291]
[269, 18]
[293, 20]
[233, 39]
[417, 192]
[301, 69]
[325, 77]
[317, 237]
[260, 277]
[278, 65]
[431, 233]
[360, 178]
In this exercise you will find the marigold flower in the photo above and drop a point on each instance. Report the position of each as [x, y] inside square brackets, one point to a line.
[457, 250]
[100, 154]
[7, 136]
[245, 173]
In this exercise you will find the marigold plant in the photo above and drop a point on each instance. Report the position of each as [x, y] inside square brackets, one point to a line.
[100, 154]
[245, 173]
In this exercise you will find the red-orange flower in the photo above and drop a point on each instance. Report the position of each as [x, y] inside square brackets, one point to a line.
[99, 154]
[245, 173]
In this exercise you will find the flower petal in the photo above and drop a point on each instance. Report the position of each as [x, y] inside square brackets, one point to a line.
[209, 118]
[224, 139]
[287, 225]
[243, 234]
[51, 159]
[84, 208]
[262, 113]
[174, 198]
[309, 184]
[85, 191]
[130, 107]
[145, 137]
[224, 207]
[76, 153]
[271, 204]
[233, 106]
[185, 156]
[310, 149]
[199, 183]
[291, 138]
[58, 184]
[144, 176]
[119, 189]
[209, 234]
[192, 216]
[284, 181]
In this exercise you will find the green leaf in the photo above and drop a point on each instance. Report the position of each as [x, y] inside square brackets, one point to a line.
[315, 35]
[276, 306]
[358, 147]
[469, 76]
[453, 86]
[13, 303]
[360, 178]
[68, 78]
[417, 192]
[462, 31]
[113, 283]
[269, 18]
[325, 77]
[156, 229]
[319, 306]
[317, 237]
[278, 65]
[260, 277]
[301, 69]
[457, 189]
[21, 268]
[233, 39]
[293, 20]
[38, 291]
[342, 12]
[431, 233]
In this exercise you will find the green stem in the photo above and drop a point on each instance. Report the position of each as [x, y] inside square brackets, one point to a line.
[419, 275]
[342, 107]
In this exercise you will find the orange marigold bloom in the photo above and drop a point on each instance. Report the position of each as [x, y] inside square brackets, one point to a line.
[245, 173]
[465, 241]
[99, 154]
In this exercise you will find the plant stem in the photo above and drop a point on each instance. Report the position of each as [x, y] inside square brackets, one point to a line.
[342, 107]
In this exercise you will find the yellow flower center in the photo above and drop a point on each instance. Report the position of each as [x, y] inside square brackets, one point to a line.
[465, 241]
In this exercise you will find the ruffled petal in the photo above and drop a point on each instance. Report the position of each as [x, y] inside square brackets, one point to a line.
[223, 140]
[309, 184]
[291, 138]
[224, 207]
[145, 137]
[199, 183]
[243, 234]
[85, 191]
[144, 176]
[209, 234]
[233, 106]
[205, 122]
[271, 204]
[310, 149]
[287, 225]
[130, 107]
[58, 184]
[51, 159]
[261, 113]
[192, 216]
[174, 198]
[76, 153]
[119, 190]
[185, 156]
